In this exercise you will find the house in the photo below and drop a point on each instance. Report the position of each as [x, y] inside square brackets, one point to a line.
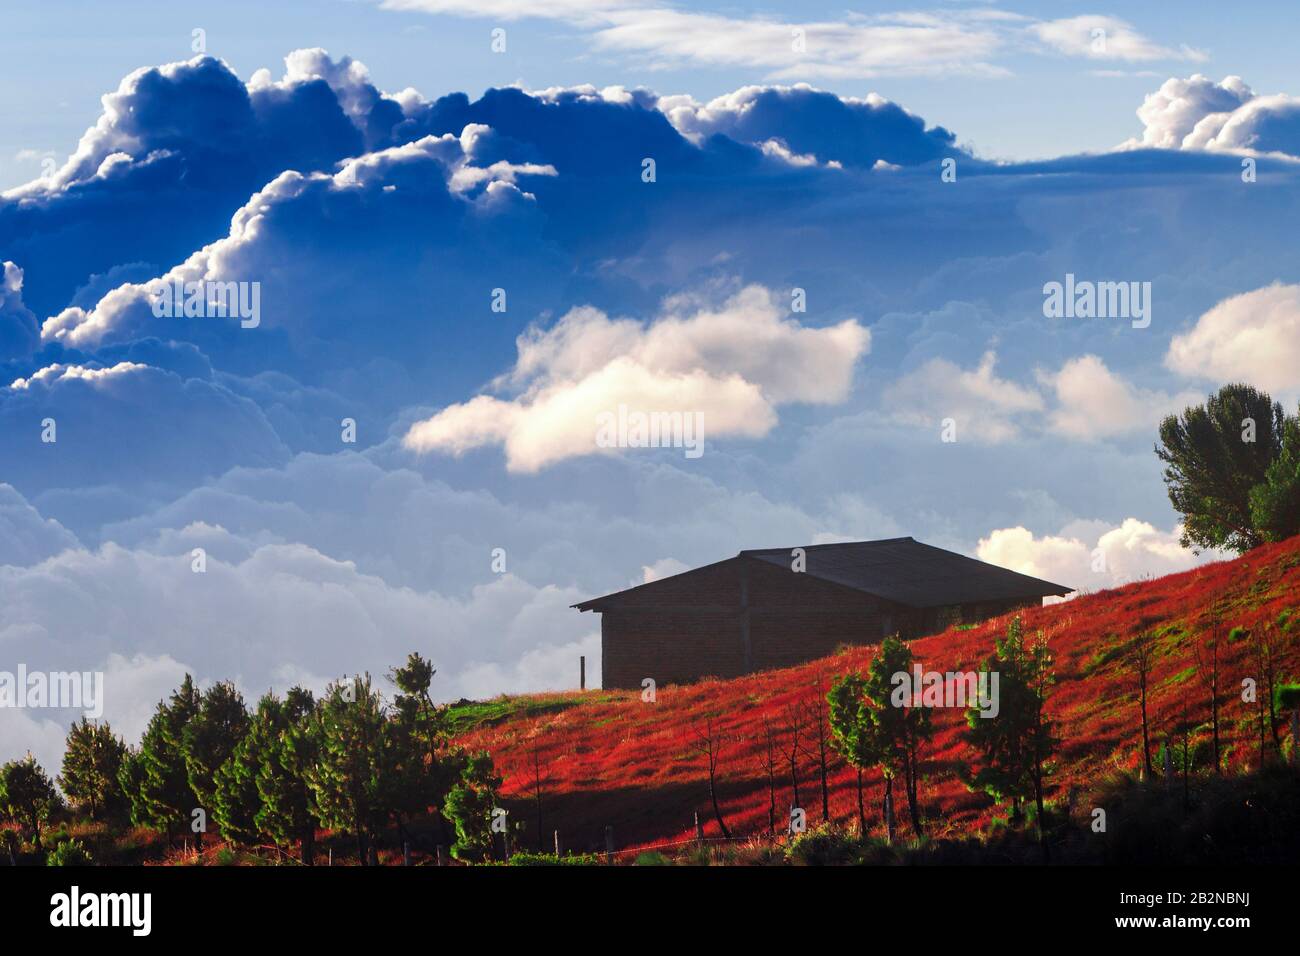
[781, 606]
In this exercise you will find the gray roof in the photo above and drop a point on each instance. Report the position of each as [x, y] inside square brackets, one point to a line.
[908, 572]
[902, 570]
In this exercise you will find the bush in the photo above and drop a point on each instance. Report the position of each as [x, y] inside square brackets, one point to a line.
[69, 853]
[550, 859]
[823, 846]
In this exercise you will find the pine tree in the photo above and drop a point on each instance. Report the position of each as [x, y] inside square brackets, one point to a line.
[155, 778]
[1016, 745]
[27, 795]
[852, 731]
[285, 814]
[900, 731]
[469, 806]
[92, 759]
[211, 737]
[347, 782]
[236, 800]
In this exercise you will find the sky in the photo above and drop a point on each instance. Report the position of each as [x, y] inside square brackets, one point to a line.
[827, 235]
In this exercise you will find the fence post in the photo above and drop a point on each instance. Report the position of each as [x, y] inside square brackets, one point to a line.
[609, 845]
[699, 828]
[582, 672]
[557, 844]
[406, 853]
[331, 862]
[441, 860]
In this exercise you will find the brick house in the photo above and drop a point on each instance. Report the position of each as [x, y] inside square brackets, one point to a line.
[781, 606]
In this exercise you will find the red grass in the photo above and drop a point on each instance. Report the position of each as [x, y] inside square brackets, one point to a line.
[613, 760]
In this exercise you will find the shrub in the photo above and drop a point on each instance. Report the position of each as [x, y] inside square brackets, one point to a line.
[550, 859]
[69, 853]
[823, 846]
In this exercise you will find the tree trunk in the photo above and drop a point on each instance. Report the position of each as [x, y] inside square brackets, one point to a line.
[1146, 739]
[717, 813]
[889, 809]
[862, 813]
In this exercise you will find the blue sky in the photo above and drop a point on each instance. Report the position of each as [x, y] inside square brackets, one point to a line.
[837, 276]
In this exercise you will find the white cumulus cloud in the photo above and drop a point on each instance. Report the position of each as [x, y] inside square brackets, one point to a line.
[732, 364]
[1253, 337]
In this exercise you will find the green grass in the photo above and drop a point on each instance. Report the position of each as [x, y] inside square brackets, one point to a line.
[469, 715]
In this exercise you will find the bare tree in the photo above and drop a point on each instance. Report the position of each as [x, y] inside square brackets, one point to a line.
[819, 739]
[708, 744]
[767, 760]
[1142, 654]
[794, 727]
[540, 779]
[1207, 669]
[1266, 651]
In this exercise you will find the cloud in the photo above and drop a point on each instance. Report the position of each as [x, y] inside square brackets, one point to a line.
[1197, 113]
[951, 42]
[432, 177]
[732, 365]
[1106, 38]
[1173, 112]
[177, 149]
[853, 48]
[1093, 402]
[274, 615]
[25, 536]
[1092, 555]
[127, 425]
[1252, 337]
[19, 334]
[857, 132]
[984, 407]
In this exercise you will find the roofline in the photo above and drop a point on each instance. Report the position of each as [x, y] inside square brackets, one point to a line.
[1049, 587]
[590, 603]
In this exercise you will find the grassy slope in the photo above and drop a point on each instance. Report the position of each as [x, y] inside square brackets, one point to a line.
[608, 758]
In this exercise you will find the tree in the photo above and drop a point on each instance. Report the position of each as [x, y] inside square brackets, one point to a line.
[285, 813]
[469, 806]
[794, 726]
[1266, 649]
[708, 744]
[1207, 670]
[236, 801]
[540, 779]
[768, 760]
[852, 731]
[92, 759]
[27, 795]
[155, 777]
[818, 721]
[1215, 457]
[900, 731]
[424, 771]
[1014, 746]
[1275, 503]
[209, 739]
[347, 781]
[1143, 649]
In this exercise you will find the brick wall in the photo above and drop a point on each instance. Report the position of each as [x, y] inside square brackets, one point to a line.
[692, 625]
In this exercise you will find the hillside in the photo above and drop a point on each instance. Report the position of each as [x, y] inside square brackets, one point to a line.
[607, 758]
